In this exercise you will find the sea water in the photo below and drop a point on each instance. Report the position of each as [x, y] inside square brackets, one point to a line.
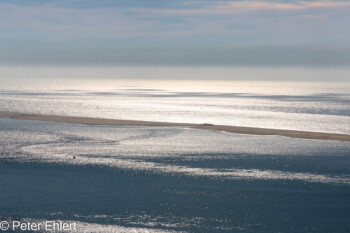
[308, 106]
[163, 179]
[150, 179]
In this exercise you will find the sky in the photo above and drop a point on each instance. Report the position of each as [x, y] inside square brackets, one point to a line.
[190, 33]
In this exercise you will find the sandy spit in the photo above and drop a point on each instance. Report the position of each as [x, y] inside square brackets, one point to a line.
[224, 128]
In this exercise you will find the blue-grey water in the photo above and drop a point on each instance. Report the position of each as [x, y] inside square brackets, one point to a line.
[148, 179]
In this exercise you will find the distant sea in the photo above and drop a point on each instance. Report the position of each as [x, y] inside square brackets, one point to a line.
[309, 106]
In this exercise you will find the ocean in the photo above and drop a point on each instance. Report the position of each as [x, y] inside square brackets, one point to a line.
[173, 179]
[308, 106]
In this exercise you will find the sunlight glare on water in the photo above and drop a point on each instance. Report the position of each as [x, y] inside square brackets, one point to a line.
[284, 105]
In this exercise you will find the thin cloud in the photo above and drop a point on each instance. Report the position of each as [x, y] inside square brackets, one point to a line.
[183, 24]
[242, 6]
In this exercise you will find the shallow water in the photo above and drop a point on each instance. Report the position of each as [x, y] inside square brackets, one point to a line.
[306, 106]
[155, 179]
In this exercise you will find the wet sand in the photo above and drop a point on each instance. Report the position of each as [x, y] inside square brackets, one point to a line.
[224, 128]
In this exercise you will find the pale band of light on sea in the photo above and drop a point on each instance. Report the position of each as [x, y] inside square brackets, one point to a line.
[307, 106]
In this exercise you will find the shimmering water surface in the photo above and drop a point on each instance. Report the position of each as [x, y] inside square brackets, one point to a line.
[146, 179]
[306, 106]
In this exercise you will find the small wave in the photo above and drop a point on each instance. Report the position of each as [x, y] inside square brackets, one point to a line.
[127, 163]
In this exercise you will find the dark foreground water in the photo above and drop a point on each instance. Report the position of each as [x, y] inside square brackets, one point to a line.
[139, 179]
